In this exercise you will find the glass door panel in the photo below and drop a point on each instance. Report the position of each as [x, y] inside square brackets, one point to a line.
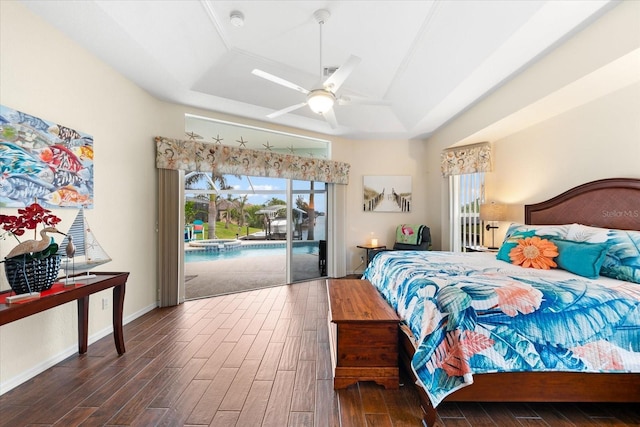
[309, 231]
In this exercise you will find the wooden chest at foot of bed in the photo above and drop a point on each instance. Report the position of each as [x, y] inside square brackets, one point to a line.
[363, 334]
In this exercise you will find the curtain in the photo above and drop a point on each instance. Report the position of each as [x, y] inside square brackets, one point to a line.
[170, 271]
[223, 159]
[466, 159]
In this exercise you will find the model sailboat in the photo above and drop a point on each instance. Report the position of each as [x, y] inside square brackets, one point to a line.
[88, 252]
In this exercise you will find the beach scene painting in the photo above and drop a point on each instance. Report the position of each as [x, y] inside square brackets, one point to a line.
[387, 193]
[43, 161]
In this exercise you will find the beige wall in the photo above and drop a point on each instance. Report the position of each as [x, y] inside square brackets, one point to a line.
[547, 135]
[397, 157]
[44, 74]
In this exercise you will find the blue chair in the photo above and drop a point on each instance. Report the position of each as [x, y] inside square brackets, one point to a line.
[198, 229]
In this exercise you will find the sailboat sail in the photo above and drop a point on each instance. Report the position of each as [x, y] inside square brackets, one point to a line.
[89, 254]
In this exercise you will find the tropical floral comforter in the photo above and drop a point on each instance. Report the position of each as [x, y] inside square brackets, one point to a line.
[471, 313]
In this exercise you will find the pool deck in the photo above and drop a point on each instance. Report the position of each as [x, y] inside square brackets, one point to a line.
[219, 277]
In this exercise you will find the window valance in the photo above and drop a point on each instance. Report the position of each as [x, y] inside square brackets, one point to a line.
[466, 159]
[226, 160]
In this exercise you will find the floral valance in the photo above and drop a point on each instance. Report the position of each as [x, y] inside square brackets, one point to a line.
[226, 160]
[466, 159]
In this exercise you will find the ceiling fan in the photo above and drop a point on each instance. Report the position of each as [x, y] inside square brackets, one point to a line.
[322, 99]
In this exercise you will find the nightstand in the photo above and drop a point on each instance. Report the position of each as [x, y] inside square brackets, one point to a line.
[369, 247]
[479, 249]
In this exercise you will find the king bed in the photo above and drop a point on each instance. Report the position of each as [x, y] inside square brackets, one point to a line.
[482, 327]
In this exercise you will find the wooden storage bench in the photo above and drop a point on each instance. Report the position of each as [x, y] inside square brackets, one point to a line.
[363, 334]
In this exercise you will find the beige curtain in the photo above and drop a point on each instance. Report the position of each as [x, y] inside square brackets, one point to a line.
[170, 271]
[466, 159]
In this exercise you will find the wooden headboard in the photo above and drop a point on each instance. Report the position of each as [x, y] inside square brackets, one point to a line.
[606, 203]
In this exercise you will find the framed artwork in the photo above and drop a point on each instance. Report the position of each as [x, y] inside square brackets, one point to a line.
[386, 193]
[43, 161]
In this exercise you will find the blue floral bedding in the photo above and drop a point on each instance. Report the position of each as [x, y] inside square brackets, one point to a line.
[471, 314]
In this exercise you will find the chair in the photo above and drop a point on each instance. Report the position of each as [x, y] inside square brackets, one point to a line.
[409, 237]
[198, 229]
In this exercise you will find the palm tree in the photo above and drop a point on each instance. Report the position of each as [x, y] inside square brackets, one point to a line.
[241, 203]
[211, 180]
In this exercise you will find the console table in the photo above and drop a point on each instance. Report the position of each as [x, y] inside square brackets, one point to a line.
[60, 294]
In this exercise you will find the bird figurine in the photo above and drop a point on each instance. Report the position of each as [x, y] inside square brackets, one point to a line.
[70, 250]
[30, 246]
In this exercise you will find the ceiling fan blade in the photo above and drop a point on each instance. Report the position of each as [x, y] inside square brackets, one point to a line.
[336, 79]
[330, 117]
[286, 110]
[278, 80]
[352, 100]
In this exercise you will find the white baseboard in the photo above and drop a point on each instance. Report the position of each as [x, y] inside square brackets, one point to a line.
[24, 376]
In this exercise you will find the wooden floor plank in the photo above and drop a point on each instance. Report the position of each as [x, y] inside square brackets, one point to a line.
[134, 407]
[239, 389]
[183, 379]
[278, 407]
[304, 388]
[256, 404]
[205, 410]
[260, 358]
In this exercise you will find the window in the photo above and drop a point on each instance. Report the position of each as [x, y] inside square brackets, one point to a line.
[466, 194]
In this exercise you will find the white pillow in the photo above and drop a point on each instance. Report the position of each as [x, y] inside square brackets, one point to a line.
[584, 233]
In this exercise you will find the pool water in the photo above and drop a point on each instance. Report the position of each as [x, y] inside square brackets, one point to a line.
[208, 255]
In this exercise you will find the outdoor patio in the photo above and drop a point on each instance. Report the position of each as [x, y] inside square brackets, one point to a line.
[224, 276]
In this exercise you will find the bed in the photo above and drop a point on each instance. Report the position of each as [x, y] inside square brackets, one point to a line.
[477, 328]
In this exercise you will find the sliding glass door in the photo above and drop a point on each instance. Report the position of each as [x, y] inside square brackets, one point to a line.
[268, 230]
[244, 233]
[308, 258]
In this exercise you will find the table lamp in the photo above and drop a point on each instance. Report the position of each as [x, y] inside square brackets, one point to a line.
[493, 212]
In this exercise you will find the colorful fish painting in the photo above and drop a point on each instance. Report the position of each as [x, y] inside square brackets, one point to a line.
[45, 161]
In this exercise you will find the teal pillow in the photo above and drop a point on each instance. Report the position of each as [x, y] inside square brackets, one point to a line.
[517, 231]
[583, 259]
[623, 257]
[511, 242]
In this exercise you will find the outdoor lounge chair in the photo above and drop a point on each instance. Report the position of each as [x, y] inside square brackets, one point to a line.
[198, 229]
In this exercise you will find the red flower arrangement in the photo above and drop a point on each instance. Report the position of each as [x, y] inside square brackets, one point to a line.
[29, 218]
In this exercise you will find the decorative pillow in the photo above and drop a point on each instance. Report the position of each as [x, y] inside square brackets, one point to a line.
[583, 259]
[510, 242]
[518, 231]
[559, 231]
[584, 233]
[534, 252]
[623, 256]
[622, 260]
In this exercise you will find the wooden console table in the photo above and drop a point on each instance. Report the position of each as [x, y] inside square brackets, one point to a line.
[363, 334]
[80, 291]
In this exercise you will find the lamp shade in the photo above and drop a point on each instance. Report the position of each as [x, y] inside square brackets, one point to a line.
[493, 212]
[320, 101]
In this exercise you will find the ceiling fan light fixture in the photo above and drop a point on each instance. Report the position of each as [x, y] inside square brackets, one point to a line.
[320, 101]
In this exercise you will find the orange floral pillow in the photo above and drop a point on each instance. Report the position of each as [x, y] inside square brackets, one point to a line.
[534, 252]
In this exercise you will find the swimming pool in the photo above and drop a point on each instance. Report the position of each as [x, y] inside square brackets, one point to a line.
[251, 251]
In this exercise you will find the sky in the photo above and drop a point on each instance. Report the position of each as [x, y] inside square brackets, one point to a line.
[273, 184]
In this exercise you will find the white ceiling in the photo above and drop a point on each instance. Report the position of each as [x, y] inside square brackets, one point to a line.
[429, 59]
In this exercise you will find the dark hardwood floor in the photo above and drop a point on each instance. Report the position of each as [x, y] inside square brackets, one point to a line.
[259, 358]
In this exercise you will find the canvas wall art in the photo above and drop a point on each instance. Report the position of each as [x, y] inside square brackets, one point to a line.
[387, 193]
[43, 161]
